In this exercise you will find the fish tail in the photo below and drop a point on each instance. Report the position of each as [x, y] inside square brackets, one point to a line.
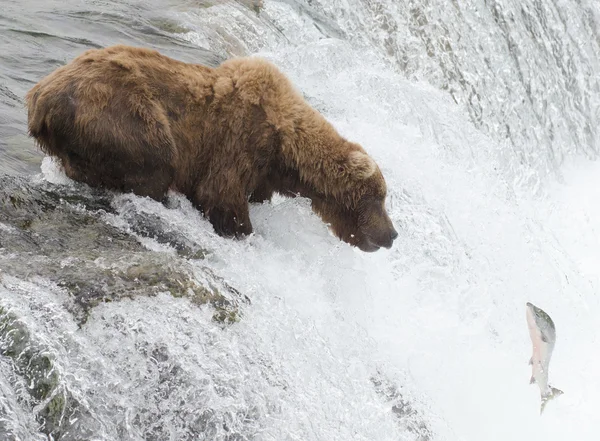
[553, 393]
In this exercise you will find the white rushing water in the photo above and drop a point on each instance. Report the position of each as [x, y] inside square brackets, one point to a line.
[486, 223]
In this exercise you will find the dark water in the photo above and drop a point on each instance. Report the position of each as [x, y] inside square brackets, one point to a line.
[36, 37]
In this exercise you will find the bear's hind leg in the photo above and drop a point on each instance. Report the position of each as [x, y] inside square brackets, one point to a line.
[145, 177]
[150, 182]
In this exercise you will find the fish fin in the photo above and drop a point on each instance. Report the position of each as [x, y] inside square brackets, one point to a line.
[531, 361]
[554, 392]
[531, 380]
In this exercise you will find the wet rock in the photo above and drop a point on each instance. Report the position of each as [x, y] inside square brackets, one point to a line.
[254, 5]
[33, 364]
[169, 25]
[61, 233]
[72, 237]
[55, 407]
[140, 274]
[153, 227]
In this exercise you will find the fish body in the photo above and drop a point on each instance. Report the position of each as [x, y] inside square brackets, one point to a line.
[543, 337]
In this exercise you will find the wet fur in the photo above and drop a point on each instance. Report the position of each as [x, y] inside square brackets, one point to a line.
[133, 120]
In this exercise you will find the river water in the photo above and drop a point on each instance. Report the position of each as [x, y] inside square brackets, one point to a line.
[124, 319]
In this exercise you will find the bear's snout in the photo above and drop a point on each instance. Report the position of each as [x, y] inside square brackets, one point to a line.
[381, 238]
[376, 228]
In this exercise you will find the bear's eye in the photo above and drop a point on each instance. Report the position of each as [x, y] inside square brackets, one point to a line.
[341, 168]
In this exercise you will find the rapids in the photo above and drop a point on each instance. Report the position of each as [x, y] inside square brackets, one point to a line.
[124, 319]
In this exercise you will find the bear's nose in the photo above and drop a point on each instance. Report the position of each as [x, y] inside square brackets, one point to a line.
[386, 240]
[392, 235]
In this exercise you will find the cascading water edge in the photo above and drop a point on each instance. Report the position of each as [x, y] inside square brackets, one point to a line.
[291, 334]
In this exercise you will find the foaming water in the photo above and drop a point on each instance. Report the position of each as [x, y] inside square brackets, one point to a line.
[426, 341]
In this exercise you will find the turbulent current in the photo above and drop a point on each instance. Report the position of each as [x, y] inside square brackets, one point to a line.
[125, 319]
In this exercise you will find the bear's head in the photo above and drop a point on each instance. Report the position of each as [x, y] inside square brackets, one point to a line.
[357, 213]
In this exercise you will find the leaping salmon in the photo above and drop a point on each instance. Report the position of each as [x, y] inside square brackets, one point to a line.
[543, 337]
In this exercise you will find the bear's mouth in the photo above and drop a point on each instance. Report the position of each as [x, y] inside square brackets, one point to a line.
[367, 245]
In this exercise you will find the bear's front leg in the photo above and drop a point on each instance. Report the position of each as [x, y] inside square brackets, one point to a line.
[230, 221]
[228, 213]
[263, 192]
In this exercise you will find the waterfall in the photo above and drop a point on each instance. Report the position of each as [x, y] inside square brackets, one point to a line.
[125, 319]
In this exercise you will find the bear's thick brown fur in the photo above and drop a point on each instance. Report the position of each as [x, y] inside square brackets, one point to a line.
[131, 119]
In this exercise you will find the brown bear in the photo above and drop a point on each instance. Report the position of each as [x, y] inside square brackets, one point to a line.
[133, 120]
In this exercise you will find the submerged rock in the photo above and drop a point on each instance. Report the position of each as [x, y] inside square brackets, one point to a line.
[48, 218]
[61, 233]
[65, 235]
[56, 409]
[254, 5]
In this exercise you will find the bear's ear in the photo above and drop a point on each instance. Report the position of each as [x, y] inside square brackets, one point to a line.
[361, 165]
